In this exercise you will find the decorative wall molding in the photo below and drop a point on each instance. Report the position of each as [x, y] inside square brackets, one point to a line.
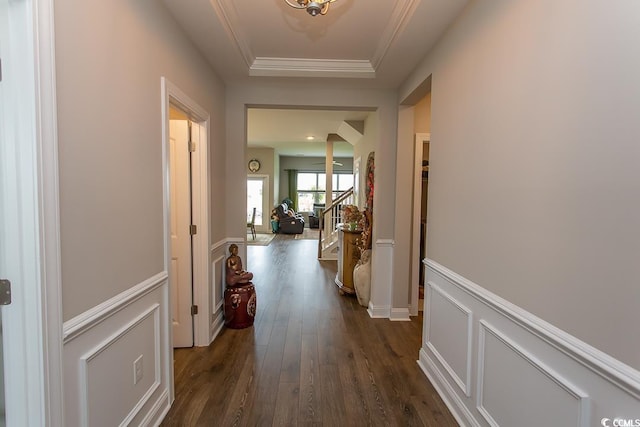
[217, 295]
[307, 67]
[518, 361]
[302, 67]
[465, 382]
[80, 324]
[158, 411]
[103, 346]
[229, 20]
[570, 389]
[599, 362]
[401, 16]
[220, 244]
[453, 401]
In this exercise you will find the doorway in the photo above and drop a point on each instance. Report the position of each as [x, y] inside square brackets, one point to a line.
[175, 101]
[420, 220]
[258, 198]
[180, 178]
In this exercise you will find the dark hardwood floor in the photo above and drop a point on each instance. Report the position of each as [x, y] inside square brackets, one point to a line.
[313, 357]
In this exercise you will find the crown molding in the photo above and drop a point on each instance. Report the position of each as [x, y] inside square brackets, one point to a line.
[401, 16]
[311, 67]
[229, 20]
[300, 67]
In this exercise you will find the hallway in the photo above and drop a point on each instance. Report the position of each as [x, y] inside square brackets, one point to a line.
[312, 357]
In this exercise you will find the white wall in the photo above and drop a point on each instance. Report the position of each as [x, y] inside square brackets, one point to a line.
[533, 180]
[533, 185]
[109, 121]
[110, 58]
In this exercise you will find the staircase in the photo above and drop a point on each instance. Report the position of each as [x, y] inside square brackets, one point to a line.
[329, 220]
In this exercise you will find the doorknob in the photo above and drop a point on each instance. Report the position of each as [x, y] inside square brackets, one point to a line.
[5, 292]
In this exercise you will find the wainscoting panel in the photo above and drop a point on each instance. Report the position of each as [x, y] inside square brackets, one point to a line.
[567, 406]
[448, 334]
[216, 316]
[518, 369]
[136, 340]
[101, 347]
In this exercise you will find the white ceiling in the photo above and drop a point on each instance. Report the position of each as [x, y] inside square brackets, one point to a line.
[359, 43]
[287, 130]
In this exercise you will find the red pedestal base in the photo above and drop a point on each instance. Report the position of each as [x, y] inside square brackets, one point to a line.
[240, 306]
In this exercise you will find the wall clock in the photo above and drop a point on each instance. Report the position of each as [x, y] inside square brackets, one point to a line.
[254, 165]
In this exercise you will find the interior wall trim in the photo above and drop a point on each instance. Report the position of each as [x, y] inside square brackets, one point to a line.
[217, 291]
[80, 324]
[399, 18]
[218, 245]
[464, 384]
[229, 20]
[158, 411]
[399, 315]
[311, 67]
[381, 279]
[86, 359]
[486, 328]
[453, 401]
[378, 311]
[607, 367]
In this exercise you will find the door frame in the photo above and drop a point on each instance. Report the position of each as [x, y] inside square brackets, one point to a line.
[200, 173]
[33, 322]
[266, 201]
[416, 262]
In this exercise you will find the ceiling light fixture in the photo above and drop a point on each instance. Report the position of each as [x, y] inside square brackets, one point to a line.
[310, 138]
[313, 7]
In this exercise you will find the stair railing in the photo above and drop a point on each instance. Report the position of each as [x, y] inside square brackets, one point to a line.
[331, 217]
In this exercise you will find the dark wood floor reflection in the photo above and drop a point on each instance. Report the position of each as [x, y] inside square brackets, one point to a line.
[313, 357]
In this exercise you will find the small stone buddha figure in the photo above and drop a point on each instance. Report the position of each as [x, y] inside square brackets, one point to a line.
[235, 274]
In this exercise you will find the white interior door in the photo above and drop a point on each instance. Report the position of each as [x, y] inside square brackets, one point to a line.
[181, 255]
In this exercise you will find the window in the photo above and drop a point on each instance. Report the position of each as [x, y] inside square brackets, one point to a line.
[312, 186]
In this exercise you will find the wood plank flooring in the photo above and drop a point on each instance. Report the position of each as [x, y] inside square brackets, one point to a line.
[312, 358]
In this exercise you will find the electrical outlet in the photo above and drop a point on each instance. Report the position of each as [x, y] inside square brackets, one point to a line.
[137, 370]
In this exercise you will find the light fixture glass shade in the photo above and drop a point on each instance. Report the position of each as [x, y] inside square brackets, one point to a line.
[313, 7]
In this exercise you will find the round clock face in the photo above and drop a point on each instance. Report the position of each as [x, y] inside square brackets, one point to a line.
[254, 165]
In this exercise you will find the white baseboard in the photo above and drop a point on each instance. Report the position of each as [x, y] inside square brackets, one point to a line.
[217, 326]
[378, 312]
[399, 315]
[158, 411]
[446, 392]
[491, 361]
